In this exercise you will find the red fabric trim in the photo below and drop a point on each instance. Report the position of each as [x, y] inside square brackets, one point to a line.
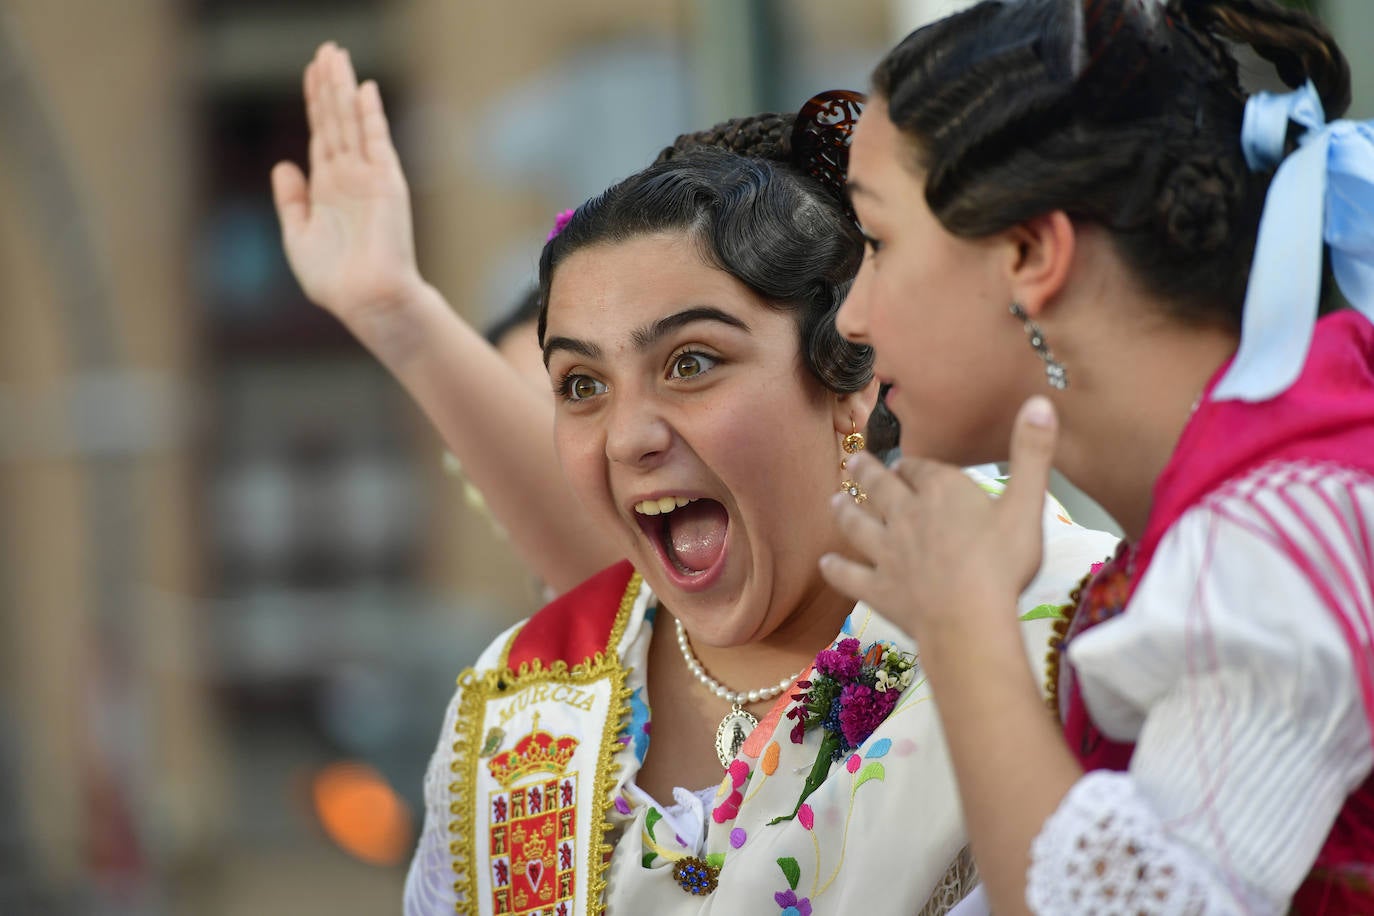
[574, 626]
[1327, 415]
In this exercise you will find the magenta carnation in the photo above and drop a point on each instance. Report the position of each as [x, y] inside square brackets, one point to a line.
[862, 710]
[842, 662]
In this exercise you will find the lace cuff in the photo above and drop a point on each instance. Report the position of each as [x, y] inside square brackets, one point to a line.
[1104, 852]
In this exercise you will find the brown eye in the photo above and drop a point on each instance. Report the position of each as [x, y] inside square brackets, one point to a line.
[690, 365]
[582, 387]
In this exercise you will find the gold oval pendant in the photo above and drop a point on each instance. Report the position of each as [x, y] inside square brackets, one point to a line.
[734, 728]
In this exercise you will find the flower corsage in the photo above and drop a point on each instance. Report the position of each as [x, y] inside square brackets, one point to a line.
[849, 695]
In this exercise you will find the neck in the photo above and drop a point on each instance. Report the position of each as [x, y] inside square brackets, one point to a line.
[785, 650]
[1122, 425]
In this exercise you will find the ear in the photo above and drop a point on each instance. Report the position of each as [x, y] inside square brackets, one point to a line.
[1044, 250]
[852, 410]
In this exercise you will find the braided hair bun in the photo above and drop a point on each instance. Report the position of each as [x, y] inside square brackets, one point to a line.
[1197, 203]
[762, 136]
[814, 142]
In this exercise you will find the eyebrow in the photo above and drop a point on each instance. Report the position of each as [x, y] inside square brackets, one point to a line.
[646, 337]
[571, 344]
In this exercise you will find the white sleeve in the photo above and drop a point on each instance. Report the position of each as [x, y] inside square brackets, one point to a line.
[1233, 674]
[429, 889]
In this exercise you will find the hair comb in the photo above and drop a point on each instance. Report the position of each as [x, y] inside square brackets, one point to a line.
[821, 135]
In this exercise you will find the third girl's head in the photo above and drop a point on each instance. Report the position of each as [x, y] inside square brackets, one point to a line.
[1110, 128]
[703, 392]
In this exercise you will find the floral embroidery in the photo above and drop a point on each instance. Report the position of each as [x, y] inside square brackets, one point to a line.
[769, 765]
[791, 904]
[849, 695]
[651, 818]
[637, 732]
[735, 778]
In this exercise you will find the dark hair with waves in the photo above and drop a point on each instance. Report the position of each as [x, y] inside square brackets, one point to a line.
[779, 232]
[1123, 113]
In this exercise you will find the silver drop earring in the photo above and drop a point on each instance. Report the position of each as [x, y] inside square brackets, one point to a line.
[1055, 373]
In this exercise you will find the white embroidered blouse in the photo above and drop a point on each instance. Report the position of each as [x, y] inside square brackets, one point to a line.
[1238, 688]
[884, 829]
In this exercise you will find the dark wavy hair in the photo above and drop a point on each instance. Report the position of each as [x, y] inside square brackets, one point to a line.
[1122, 113]
[782, 234]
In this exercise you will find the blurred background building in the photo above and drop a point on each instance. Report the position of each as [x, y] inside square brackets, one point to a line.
[236, 585]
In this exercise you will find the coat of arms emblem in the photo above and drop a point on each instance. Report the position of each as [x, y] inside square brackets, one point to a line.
[532, 826]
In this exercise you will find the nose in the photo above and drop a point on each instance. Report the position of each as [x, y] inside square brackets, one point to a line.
[637, 435]
[852, 318]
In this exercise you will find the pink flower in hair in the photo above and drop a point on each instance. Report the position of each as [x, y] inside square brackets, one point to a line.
[560, 222]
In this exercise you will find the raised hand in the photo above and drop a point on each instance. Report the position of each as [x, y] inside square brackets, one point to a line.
[347, 228]
[932, 547]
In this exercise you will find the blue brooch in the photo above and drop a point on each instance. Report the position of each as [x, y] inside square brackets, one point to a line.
[694, 876]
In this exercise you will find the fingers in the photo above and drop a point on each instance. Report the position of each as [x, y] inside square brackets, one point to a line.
[915, 471]
[346, 102]
[863, 530]
[314, 110]
[328, 85]
[291, 194]
[888, 493]
[376, 135]
[1033, 439]
[848, 577]
[343, 119]
[331, 126]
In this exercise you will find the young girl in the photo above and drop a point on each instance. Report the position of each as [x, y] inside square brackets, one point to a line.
[1073, 202]
[705, 410]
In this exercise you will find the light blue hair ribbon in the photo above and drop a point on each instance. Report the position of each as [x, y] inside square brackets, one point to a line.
[1323, 191]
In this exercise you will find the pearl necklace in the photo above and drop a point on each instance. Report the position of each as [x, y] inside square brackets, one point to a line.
[738, 722]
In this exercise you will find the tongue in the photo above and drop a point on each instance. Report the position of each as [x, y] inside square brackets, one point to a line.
[696, 534]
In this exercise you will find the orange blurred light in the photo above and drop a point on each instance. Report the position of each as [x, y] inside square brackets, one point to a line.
[362, 813]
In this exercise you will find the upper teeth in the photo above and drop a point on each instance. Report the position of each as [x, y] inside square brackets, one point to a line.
[663, 504]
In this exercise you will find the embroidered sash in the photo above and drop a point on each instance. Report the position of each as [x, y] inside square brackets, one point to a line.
[533, 757]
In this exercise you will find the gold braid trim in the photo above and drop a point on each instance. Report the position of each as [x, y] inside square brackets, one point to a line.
[1059, 633]
[477, 689]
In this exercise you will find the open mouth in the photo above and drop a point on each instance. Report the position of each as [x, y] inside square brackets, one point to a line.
[689, 534]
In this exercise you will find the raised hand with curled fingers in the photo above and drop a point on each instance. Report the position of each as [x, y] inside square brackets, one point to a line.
[932, 547]
[347, 226]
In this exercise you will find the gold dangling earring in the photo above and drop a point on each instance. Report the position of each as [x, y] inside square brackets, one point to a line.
[853, 444]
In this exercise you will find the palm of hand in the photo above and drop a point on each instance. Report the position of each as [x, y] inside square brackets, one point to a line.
[347, 229]
[355, 248]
